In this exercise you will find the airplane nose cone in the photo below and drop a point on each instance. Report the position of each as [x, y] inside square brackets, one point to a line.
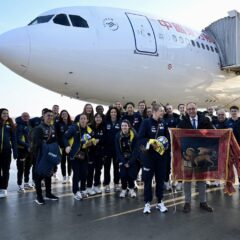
[15, 50]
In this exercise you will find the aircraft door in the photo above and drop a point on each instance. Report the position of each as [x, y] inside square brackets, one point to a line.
[145, 40]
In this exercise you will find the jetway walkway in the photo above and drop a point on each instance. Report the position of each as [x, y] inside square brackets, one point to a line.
[226, 33]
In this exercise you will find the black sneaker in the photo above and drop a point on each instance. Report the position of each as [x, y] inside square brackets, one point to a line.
[187, 208]
[206, 207]
[39, 200]
[51, 197]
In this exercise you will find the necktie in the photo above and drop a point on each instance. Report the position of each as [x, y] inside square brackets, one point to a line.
[194, 123]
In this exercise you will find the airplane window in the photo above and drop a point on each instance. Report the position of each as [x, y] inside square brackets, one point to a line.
[207, 47]
[161, 36]
[212, 48]
[77, 21]
[198, 44]
[187, 41]
[41, 19]
[203, 46]
[193, 43]
[61, 19]
[174, 38]
[216, 50]
[181, 40]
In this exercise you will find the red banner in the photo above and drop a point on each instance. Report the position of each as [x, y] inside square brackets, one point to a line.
[200, 155]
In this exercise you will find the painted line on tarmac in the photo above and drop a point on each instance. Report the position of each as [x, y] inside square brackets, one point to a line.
[154, 205]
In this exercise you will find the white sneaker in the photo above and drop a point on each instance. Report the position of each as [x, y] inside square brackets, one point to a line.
[21, 189]
[64, 180]
[168, 186]
[84, 194]
[216, 183]
[117, 188]
[97, 190]
[68, 179]
[90, 192]
[42, 184]
[55, 178]
[147, 208]
[179, 186]
[139, 178]
[161, 207]
[107, 189]
[123, 194]
[2, 193]
[132, 193]
[78, 196]
[5, 192]
[28, 186]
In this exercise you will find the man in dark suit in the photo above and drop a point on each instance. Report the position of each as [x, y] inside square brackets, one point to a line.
[195, 120]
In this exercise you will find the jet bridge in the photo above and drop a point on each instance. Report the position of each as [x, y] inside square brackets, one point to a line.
[226, 33]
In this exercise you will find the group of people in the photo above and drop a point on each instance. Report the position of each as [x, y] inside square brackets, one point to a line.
[121, 138]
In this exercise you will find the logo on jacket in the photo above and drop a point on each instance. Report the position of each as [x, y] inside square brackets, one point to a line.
[153, 129]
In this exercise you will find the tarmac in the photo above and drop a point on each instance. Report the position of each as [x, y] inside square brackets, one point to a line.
[106, 216]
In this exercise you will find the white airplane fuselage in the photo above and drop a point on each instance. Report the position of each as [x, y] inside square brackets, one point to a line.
[122, 55]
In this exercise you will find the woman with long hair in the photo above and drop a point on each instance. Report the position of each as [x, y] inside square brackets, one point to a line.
[142, 109]
[8, 143]
[62, 126]
[112, 128]
[96, 155]
[77, 141]
[89, 112]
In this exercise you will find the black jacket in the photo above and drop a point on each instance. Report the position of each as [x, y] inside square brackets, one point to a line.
[126, 148]
[22, 132]
[203, 122]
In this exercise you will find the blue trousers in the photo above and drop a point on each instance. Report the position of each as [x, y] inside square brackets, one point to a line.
[79, 168]
[154, 165]
[128, 176]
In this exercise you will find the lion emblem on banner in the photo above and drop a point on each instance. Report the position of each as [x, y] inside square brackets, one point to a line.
[199, 156]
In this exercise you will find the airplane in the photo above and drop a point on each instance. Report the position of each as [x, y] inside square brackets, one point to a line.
[103, 54]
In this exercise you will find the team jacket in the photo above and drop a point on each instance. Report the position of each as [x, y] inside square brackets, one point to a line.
[61, 127]
[220, 125]
[8, 139]
[134, 119]
[22, 132]
[235, 125]
[100, 134]
[151, 129]
[171, 121]
[45, 148]
[111, 131]
[73, 137]
[42, 134]
[126, 148]
[34, 122]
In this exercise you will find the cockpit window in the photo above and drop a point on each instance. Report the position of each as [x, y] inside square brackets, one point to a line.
[41, 19]
[61, 19]
[78, 21]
